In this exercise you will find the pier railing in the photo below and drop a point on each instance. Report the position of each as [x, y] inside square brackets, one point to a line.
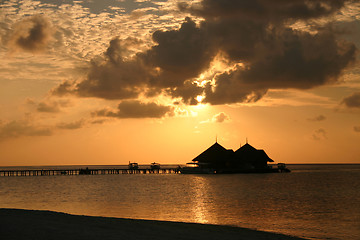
[86, 171]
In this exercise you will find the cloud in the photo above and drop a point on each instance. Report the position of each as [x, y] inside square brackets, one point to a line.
[48, 107]
[65, 88]
[51, 106]
[263, 10]
[114, 78]
[258, 45]
[267, 53]
[317, 118]
[176, 57]
[23, 128]
[31, 34]
[15, 129]
[319, 134]
[98, 121]
[352, 101]
[220, 117]
[357, 128]
[284, 59]
[71, 125]
[217, 118]
[136, 109]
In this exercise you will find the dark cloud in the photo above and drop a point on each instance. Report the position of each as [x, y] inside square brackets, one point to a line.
[253, 36]
[270, 54]
[317, 118]
[14, 129]
[352, 101]
[289, 59]
[263, 10]
[177, 57]
[188, 92]
[180, 54]
[229, 89]
[357, 128]
[32, 34]
[65, 88]
[115, 78]
[136, 109]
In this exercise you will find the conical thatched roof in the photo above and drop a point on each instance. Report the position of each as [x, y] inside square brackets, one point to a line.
[213, 154]
[248, 152]
[245, 158]
[263, 155]
[246, 148]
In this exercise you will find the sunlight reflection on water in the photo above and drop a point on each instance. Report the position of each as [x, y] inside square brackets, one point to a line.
[200, 206]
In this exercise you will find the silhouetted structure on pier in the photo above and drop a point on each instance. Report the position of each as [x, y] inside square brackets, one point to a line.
[217, 159]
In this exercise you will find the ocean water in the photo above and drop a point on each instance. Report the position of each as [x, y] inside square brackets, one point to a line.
[313, 201]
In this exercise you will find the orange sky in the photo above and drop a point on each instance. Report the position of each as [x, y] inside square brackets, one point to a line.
[117, 81]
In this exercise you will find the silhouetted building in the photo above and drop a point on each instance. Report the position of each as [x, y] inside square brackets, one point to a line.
[249, 157]
[221, 160]
[215, 157]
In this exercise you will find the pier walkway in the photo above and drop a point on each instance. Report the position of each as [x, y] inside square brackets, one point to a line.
[87, 171]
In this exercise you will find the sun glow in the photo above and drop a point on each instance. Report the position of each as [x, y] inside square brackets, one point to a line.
[200, 105]
[199, 98]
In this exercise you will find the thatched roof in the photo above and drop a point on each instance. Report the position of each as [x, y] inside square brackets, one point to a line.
[218, 156]
[213, 154]
[248, 152]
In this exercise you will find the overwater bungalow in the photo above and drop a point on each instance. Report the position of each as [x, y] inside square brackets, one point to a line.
[217, 159]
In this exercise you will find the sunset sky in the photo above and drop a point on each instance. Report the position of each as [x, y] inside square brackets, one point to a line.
[108, 82]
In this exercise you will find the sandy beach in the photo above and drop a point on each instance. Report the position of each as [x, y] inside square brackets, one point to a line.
[30, 224]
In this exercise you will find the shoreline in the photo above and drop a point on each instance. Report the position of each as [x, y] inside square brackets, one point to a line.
[16, 224]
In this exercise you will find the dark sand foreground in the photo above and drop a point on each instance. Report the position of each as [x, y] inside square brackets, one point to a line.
[28, 224]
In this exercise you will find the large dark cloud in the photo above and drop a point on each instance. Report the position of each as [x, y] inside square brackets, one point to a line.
[31, 34]
[263, 10]
[285, 59]
[136, 109]
[272, 55]
[253, 35]
[178, 55]
[116, 78]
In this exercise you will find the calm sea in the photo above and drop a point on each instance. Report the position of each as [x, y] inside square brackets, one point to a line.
[313, 201]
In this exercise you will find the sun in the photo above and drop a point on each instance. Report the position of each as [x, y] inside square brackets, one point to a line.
[199, 98]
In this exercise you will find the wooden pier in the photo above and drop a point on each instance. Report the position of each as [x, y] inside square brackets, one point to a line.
[86, 171]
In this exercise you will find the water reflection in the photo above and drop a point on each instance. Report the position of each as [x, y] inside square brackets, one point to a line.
[199, 198]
